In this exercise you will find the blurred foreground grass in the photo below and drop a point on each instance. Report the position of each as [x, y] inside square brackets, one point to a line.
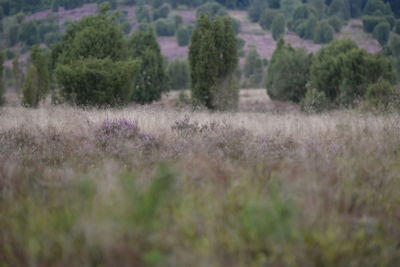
[77, 189]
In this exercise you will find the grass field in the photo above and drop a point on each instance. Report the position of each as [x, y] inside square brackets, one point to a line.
[152, 186]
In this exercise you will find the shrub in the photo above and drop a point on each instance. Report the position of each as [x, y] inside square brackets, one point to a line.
[343, 71]
[97, 82]
[376, 8]
[323, 33]
[335, 22]
[340, 8]
[256, 9]
[380, 95]
[183, 36]
[164, 27]
[278, 26]
[370, 22]
[314, 101]
[213, 59]
[288, 73]
[311, 28]
[30, 91]
[178, 73]
[2, 84]
[300, 15]
[29, 33]
[162, 12]
[151, 79]
[267, 17]
[253, 69]
[397, 27]
[143, 14]
[382, 33]
[211, 9]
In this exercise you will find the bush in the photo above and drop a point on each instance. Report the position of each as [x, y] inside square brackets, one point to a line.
[29, 33]
[30, 91]
[178, 73]
[183, 36]
[143, 14]
[335, 22]
[380, 95]
[267, 17]
[256, 9]
[314, 101]
[370, 22]
[164, 27]
[397, 27]
[278, 26]
[340, 8]
[211, 9]
[288, 73]
[343, 71]
[97, 82]
[162, 12]
[376, 8]
[382, 33]
[324, 33]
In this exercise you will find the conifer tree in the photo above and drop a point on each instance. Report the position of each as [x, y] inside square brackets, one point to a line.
[213, 58]
[31, 89]
[151, 80]
[40, 61]
[278, 26]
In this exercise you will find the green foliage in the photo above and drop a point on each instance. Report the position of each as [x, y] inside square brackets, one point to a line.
[162, 12]
[288, 73]
[211, 9]
[17, 74]
[343, 71]
[2, 83]
[253, 69]
[95, 36]
[278, 26]
[267, 18]
[319, 7]
[394, 48]
[335, 22]
[97, 82]
[380, 95]
[29, 33]
[300, 15]
[382, 33]
[376, 8]
[324, 33]
[178, 74]
[314, 101]
[143, 14]
[40, 60]
[370, 22]
[151, 79]
[31, 90]
[213, 58]
[165, 27]
[183, 36]
[256, 10]
[288, 7]
[91, 63]
[340, 8]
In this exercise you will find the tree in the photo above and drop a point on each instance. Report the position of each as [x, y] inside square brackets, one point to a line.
[288, 73]
[319, 7]
[288, 7]
[55, 5]
[183, 36]
[267, 18]
[151, 79]
[382, 33]
[376, 8]
[256, 10]
[213, 58]
[29, 33]
[278, 26]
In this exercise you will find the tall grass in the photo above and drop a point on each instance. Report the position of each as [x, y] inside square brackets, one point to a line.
[159, 188]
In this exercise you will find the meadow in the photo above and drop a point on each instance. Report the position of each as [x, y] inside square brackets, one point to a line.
[156, 186]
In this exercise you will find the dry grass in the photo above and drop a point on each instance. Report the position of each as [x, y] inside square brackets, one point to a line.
[155, 186]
